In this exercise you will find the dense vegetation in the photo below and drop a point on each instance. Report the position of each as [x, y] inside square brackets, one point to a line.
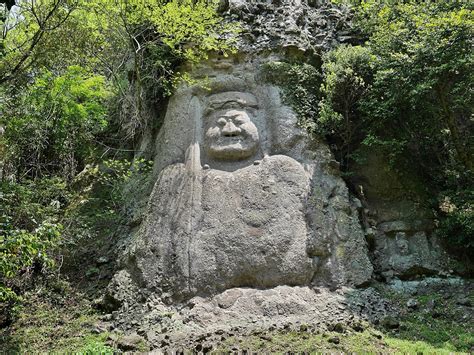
[407, 91]
[80, 80]
[404, 91]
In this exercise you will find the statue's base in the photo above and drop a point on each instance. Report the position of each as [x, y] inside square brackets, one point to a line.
[246, 311]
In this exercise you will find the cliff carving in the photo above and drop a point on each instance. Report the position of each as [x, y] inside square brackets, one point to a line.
[243, 198]
[249, 216]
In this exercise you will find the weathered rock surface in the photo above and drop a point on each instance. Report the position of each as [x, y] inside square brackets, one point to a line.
[408, 254]
[249, 229]
[205, 322]
[283, 304]
[306, 26]
[243, 197]
[398, 221]
[249, 223]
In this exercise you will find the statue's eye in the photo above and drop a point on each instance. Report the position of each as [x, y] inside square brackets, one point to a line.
[221, 121]
[239, 120]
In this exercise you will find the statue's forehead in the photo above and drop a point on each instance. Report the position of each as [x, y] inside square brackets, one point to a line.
[243, 98]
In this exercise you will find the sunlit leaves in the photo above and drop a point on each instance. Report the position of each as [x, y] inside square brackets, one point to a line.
[51, 129]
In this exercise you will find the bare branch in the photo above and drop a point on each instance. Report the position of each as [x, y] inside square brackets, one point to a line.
[35, 39]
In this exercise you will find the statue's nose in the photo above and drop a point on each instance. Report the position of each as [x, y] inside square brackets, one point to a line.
[230, 129]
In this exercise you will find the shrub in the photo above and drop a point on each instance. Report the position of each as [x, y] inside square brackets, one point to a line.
[50, 127]
[300, 84]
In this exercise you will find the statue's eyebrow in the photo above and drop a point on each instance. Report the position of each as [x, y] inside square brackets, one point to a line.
[218, 104]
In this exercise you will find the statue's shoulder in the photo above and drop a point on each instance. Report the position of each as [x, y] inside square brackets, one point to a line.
[285, 168]
[282, 161]
[170, 172]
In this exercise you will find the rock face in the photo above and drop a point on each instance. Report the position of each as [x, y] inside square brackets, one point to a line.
[399, 220]
[249, 223]
[408, 253]
[303, 25]
[243, 198]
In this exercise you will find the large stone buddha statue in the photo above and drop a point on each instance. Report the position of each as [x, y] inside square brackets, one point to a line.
[236, 200]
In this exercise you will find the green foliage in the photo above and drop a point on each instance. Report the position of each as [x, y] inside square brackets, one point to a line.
[27, 204]
[162, 36]
[408, 92]
[95, 346]
[106, 198]
[347, 80]
[50, 127]
[25, 33]
[20, 250]
[33, 213]
[55, 320]
[92, 271]
[442, 327]
[300, 83]
[29, 234]
[457, 219]
[138, 45]
[423, 78]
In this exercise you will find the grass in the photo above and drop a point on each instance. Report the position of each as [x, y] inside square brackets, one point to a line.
[369, 341]
[445, 326]
[49, 322]
[443, 329]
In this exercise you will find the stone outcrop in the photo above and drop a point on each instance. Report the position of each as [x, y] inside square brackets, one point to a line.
[309, 26]
[249, 214]
[243, 197]
[398, 221]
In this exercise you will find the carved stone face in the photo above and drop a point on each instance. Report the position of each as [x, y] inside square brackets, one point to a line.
[230, 133]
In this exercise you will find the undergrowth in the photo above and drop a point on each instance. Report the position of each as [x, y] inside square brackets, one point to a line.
[54, 319]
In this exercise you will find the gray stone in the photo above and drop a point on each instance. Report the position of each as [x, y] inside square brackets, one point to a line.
[404, 241]
[228, 298]
[130, 342]
[120, 291]
[405, 254]
[288, 220]
[412, 303]
[289, 25]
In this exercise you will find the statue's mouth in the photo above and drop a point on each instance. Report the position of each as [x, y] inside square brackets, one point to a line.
[230, 141]
[232, 147]
[233, 139]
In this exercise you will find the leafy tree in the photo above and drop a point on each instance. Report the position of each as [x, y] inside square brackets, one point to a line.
[408, 91]
[29, 234]
[161, 36]
[300, 83]
[62, 64]
[348, 76]
[25, 33]
[424, 76]
[136, 43]
[51, 127]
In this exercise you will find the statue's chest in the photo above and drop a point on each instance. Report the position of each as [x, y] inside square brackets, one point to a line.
[254, 199]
